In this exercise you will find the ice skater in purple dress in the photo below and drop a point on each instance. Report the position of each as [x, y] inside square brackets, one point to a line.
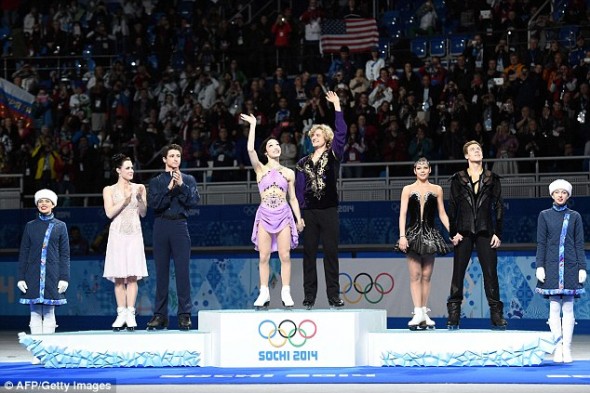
[275, 228]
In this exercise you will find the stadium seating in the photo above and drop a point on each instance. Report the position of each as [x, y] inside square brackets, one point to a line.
[419, 47]
[438, 46]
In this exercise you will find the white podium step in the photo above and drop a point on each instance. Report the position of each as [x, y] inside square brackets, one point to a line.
[98, 349]
[297, 338]
[463, 348]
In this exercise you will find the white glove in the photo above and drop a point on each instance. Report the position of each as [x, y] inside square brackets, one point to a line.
[62, 286]
[582, 276]
[23, 286]
[540, 273]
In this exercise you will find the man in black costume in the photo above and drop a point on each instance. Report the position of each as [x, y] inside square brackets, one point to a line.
[475, 218]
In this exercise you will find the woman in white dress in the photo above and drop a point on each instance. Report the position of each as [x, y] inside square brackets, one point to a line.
[124, 203]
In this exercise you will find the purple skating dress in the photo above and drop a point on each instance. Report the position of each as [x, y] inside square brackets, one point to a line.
[274, 213]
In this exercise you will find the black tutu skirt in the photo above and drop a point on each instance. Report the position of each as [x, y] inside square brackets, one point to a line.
[424, 241]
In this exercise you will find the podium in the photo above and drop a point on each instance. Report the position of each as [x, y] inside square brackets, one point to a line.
[298, 338]
[290, 338]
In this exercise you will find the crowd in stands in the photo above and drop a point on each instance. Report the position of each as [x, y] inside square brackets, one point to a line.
[159, 72]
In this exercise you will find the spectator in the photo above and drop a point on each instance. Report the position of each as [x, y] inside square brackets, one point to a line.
[299, 95]
[42, 110]
[578, 53]
[85, 158]
[98, 106]
[78, 244]
[420, 145]
[342, 64]
[312, 18]
[194, 153]
[47, 161]
[374, 65]
[206, 90]
[359, 84]
[427, 97]
[351, 10]
[530, 141]
[354, 150]
[7, 132]
[533, 54]
[5, 166]
[289, 154]
[281, 30]
[460, 74]
[262, 57]
[79, 101]
[506, 146]
[428, 19]
[66, 172]
[475, 54]
[453, 141]
[380, 93]
[103, 44]
[409, 80]
[222, 152]
[436, 71]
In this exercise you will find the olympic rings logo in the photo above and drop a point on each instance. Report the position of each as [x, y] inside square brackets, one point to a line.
[363, 284]
[287, 331]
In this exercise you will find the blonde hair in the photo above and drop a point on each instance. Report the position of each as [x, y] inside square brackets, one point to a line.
[466, 146]
[325, 129]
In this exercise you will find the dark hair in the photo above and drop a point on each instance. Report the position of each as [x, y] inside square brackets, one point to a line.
[262, 149]
[118, 159]
[172, 146]
[421, 160]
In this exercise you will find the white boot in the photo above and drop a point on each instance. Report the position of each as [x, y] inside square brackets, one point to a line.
[49, 327]
[427, 321]
[567, 324]
[417, 319]
[263, 299]
[286, 296]
[36, 328]
[555, 327]
[130, 319]
[121, 319]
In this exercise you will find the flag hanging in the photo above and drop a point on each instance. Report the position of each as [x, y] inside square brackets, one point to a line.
[359, 34]
[15, 102]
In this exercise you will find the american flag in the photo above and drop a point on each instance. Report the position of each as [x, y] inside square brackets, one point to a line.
[359, 34]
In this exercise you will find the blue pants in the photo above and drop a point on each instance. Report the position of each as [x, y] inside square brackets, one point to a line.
[171, 239]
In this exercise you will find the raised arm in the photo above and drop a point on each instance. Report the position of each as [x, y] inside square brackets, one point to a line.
[158, 198]
[251, 119]
[341, 127]
[113, 209]
[141, 200]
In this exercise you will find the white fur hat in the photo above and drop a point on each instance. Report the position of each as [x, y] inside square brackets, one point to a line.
[46, 194]
[560, 184]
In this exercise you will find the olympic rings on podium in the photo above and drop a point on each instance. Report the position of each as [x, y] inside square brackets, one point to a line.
[286, 333]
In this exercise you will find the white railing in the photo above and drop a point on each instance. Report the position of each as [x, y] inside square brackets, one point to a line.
[386, 186]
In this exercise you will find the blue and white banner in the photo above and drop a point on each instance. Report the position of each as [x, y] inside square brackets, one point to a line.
[225, 283]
